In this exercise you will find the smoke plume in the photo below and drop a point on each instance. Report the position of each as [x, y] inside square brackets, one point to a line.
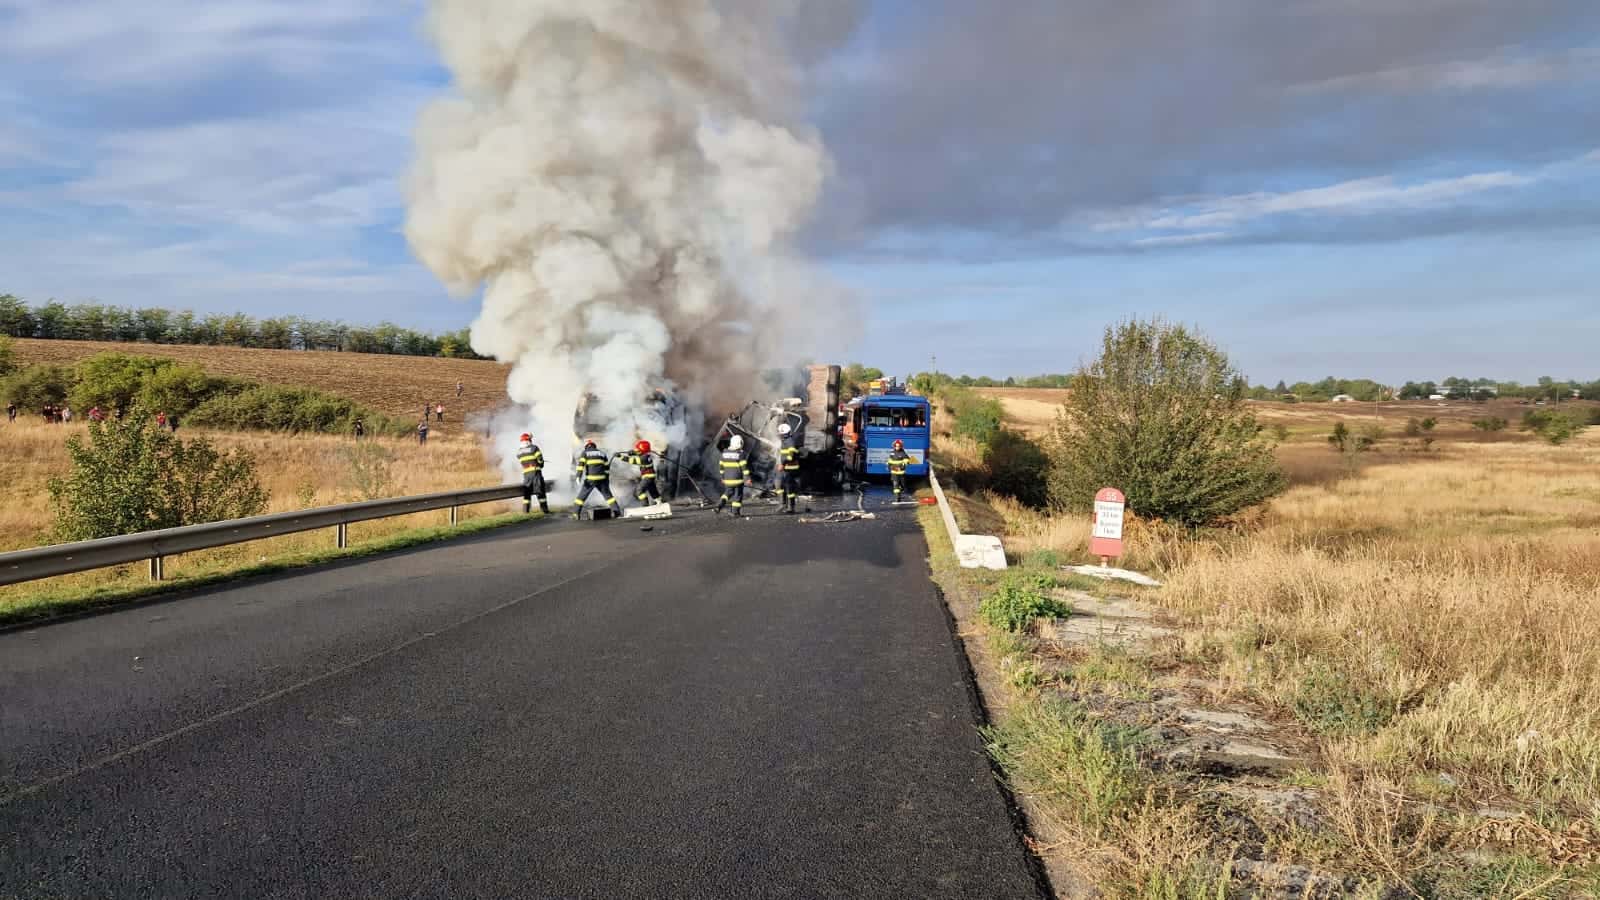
[620, 178]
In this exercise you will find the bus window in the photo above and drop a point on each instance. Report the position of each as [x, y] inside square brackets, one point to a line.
[897, 416]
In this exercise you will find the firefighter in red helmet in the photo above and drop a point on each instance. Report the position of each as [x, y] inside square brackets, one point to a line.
[899, 461]
[531, 458]
[645, 461]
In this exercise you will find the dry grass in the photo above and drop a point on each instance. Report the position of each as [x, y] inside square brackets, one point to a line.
[299, 471]
[394, 385]
[1453, 597]
[1427, 621]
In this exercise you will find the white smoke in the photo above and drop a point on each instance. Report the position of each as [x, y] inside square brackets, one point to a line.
[620, 178]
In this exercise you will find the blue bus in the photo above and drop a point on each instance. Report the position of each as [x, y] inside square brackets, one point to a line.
[871, 424]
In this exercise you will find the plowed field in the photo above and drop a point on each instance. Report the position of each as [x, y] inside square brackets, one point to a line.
[396, 385]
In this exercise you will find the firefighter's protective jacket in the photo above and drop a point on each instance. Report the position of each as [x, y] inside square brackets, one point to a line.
[735, 468]
[531, 458]
[646, 462]
[790, 453]
[899, 461]
[594, 466]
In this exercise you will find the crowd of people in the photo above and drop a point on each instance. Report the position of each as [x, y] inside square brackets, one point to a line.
[62, 414]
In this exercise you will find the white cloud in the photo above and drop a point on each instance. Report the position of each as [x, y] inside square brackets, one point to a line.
[1207, 218]
[1177, 240]
[1501, 72]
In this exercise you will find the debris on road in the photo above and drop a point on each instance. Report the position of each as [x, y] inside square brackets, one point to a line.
[848, 515]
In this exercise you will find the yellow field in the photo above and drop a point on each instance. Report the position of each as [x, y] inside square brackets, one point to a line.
[395, 385]
[1444, 601]
[298, 471]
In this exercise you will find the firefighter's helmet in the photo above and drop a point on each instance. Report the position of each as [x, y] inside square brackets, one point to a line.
[899, 444]
[589, 444]
[642, 447]
[785, 429]
[736, 443]
[526, 438]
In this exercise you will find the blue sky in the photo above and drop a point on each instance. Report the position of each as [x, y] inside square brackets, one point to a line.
[1353, 187]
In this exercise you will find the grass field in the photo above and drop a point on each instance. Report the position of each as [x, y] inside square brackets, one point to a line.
[298, 471]
[1424, 618]
[394, 385]
[1033, 410]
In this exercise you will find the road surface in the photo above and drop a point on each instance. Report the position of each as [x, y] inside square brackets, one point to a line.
[713, 708]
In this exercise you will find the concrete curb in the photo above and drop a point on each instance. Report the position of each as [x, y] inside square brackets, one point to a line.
[974, 551]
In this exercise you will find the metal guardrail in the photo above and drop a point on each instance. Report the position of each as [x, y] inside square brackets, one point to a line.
[64, 559]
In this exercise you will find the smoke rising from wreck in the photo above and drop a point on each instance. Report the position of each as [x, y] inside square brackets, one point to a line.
[621, 179]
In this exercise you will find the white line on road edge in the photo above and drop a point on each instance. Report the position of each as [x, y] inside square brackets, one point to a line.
[974, 551]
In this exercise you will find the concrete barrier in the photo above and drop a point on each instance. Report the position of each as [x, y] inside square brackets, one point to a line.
[974, 551]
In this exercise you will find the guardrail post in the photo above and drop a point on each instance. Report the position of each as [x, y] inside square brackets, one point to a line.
[341, 534]
[454, 515]
[157, 568]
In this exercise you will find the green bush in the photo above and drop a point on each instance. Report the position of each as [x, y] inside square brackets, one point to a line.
[276, 408]
[1017, 467]
[35, 386]
[1161, 415]
[1557, 428]
[133, 476]
[178, 389]
[1594, 416]
[1490, 423]
[1330, 704]
[975, 417]
[8, 359]
[1019, 599]
[112, 381]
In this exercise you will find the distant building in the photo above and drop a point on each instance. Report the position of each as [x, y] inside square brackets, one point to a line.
[1343, 398]
[1437, 397]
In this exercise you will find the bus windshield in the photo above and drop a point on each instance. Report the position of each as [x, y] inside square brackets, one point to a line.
[896, 416]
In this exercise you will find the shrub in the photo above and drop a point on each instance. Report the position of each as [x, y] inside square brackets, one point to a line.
[177, 389]
[112, 381]
[1019, 599]
[1594, 416]
[277, 408]
[1161, 416]
[133, 476]
[8, 360]
[1340, 439]
[369, 473]
[34, 387]
[1017, 467]
[1557, 428]
[1331, 704]
[1491, 423]
[975, 417]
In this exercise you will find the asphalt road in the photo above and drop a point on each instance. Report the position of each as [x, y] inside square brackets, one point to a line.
[756, 709]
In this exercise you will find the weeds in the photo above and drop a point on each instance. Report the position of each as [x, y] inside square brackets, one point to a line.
[1019, 599]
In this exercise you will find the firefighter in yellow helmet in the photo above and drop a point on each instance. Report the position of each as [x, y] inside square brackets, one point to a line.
[594, 474]
[735, 468]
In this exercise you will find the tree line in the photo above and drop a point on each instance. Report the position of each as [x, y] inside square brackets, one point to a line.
[1367, 390]
[156, 325]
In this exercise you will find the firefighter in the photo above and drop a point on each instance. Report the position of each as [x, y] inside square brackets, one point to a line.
[645, 461]
[788, 468]
[532, 460]
[594, 474]
[899, 461]
[735, 470]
